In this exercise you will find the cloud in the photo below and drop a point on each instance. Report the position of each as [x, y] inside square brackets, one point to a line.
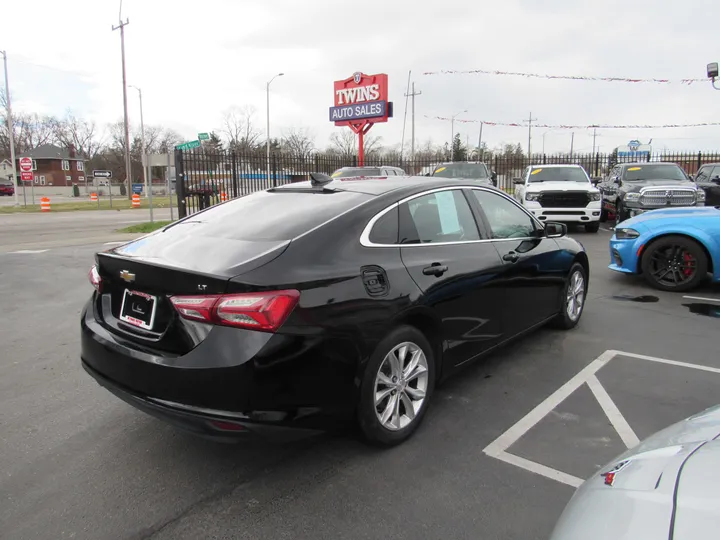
[195, 59]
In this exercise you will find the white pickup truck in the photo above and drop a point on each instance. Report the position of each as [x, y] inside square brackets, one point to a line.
[560, 193]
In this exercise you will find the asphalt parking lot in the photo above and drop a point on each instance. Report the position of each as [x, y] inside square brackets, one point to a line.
[497, 457]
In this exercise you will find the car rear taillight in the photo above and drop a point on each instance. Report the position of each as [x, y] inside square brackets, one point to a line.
[265, 311]
[95, 279]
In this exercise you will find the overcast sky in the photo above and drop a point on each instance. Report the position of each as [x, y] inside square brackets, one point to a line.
[195, 59]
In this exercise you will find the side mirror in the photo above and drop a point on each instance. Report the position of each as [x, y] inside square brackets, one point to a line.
[518, 181]
[595, 180]
[555, 230]
[616, 180]
[691, 177]
[493, 175]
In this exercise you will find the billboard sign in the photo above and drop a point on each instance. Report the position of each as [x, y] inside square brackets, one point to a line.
[362, 98]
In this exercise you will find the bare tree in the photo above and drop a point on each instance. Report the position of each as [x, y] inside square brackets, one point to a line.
[239, 129]
[81, 135]
[298, 142]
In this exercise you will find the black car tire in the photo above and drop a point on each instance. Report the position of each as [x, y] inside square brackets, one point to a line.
[592, 227]
[373, 430]
[563, 320]
[603, 215]
[690, 246]
[621, 214]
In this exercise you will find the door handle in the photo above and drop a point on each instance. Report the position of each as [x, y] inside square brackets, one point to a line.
[435, 269]
[511, 257]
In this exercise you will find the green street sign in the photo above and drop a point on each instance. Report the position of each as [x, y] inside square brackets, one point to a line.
[204, 136]
[188, 145]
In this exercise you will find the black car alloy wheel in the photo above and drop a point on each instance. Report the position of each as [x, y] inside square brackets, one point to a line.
[674, 263]
[397, 386]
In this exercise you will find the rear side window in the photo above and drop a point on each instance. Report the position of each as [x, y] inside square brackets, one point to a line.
[444, 216]
[385, 230]
[267, 216]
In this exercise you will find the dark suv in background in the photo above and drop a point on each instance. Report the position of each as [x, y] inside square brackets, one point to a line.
[466, 170]
[633, 188]
[708, 178]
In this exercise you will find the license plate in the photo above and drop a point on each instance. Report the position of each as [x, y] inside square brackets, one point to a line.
[138, 309]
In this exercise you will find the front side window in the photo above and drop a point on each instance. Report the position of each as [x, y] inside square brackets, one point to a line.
[443, 216]
[715, 175]
[703, 174]
[505, 218]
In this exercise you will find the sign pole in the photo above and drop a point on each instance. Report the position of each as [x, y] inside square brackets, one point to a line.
[361, 147]
[32, 191]
[24, 196]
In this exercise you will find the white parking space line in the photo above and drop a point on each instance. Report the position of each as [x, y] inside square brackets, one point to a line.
[702, 298]
[613, 413]
[498, 448]
[27, 251]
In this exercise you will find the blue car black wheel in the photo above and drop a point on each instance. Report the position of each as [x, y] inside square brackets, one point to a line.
[674, 263]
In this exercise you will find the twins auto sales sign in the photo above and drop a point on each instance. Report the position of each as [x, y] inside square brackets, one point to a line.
[361, 99]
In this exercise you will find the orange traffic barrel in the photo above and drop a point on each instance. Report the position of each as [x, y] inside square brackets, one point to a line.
[93, 197]
[45, 204]
[223, 196]
[136, 200]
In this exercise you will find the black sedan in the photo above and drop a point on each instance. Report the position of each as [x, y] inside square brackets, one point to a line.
[315, 304]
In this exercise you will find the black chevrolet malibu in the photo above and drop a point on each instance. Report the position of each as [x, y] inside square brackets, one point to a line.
[316, 304]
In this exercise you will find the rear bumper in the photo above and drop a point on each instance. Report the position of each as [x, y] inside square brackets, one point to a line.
[207, 423]
[257, 380]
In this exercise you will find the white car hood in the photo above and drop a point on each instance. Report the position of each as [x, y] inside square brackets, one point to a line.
[537, 187]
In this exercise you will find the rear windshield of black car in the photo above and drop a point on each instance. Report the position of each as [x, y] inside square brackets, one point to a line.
[469, 171]
[654, 172]
[348, 173]
[558, 174]
[271, 216]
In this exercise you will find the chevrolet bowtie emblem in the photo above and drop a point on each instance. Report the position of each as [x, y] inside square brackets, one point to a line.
[127, 276]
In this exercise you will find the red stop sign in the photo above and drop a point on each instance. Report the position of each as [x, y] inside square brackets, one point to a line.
[26, 164]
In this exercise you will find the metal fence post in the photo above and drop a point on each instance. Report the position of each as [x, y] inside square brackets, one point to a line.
[597, 164]
[233, 172]
[274, 170]
[180, 184]
[699, 160]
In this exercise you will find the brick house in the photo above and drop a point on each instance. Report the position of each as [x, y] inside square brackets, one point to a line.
[55, 166]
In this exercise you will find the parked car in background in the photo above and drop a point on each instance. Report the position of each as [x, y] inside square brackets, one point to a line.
[666, 487]
[633, 188]
[366, 172]
[560, 193]
[348, 301]
[708, 178]
[673, 249]
[466, 170]
[7, 187]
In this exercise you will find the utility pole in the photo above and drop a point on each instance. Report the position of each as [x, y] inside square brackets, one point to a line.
[572, 144]
[530, 121]
[480, 150]
[10, 131]
[267, 126]
[128, 173]
[412, 121]
[146, 165]
[594, 136]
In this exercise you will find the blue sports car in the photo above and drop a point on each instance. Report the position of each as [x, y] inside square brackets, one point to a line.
[674, 248]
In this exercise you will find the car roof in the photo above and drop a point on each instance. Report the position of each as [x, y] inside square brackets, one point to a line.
[380, 185]
[557, 165]
[368, 167]
[446, 163]
[645, 163]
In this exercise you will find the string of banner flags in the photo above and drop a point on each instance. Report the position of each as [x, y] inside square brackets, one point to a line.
[564, 77]
[564, 126]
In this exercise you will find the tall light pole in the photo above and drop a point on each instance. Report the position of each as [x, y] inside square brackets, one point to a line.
[146, 165]
[452, 134]
[267, 142]
[121, 26]
[10, 130]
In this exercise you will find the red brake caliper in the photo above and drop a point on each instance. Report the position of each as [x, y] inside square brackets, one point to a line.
[688, 259]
